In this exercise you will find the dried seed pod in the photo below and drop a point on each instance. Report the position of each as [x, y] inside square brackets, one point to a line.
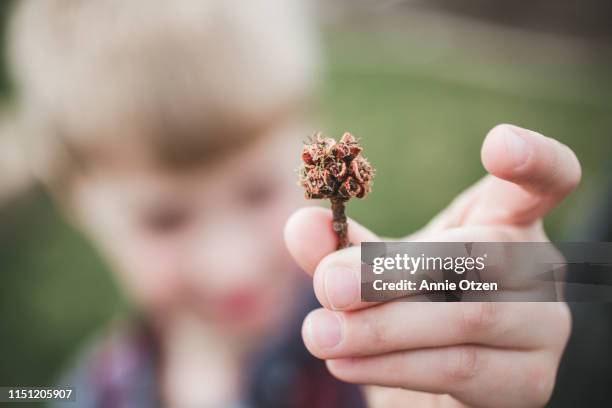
[337, 171]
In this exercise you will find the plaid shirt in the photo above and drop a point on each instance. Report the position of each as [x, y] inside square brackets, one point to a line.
[119, 371]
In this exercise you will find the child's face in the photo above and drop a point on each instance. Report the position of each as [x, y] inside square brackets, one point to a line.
[206, 241]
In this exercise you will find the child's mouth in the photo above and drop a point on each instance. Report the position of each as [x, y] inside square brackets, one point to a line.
[238, 304]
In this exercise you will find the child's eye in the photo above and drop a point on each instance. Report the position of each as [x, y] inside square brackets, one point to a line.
[257, 194]
[166, 221]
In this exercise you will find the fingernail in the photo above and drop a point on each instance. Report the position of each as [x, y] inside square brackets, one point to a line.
[517, 145]
[341, 287]
[324, 329]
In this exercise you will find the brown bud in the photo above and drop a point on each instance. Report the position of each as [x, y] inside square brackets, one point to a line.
[335, 170]
[306, 156]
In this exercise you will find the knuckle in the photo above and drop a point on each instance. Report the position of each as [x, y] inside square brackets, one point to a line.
[378, 331]
[477, 318]
[464, 363]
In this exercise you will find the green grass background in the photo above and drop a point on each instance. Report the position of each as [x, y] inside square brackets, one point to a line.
[422, 121]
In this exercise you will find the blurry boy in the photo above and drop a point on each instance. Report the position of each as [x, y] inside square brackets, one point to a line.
[168, 130]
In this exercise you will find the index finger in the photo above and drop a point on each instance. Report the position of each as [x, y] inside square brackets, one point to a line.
[310, 238]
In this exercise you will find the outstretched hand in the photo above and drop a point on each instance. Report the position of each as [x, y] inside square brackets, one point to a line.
[479, 354]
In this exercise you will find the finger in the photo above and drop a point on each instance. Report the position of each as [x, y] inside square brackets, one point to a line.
[532, 174]
[309, 236]
[477, 376]
[337, 277]
[396, 326]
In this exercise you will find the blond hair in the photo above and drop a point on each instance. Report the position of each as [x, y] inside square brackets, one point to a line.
[189, 77]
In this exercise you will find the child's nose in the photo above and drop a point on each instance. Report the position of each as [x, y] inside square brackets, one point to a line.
[223, 256]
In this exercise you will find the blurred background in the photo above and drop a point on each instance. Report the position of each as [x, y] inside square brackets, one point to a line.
[421, 82]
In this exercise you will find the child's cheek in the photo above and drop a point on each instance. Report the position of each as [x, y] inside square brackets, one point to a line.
[150, 272]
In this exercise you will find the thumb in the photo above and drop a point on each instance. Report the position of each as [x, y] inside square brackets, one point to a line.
[532, 175]
[309, 236]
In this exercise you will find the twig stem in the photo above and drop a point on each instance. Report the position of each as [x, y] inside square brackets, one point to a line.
[339, 224]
